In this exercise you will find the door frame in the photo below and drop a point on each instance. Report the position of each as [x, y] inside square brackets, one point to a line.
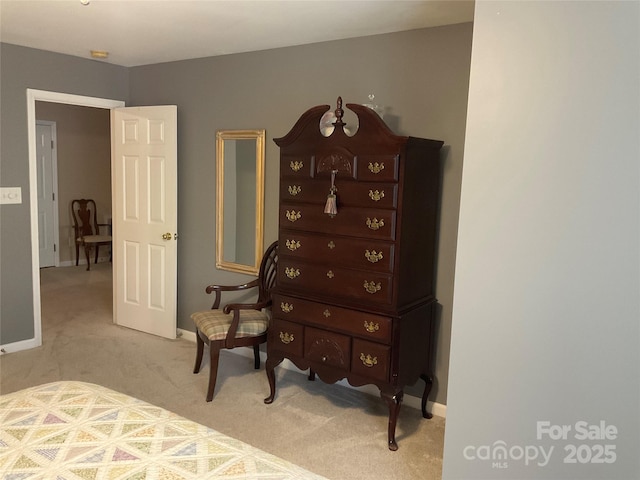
[54, 180]
[54, 97]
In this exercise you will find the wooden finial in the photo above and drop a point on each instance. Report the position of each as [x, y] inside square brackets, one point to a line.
[339, 112]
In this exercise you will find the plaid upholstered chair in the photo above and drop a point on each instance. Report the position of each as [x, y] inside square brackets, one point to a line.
[237, 324]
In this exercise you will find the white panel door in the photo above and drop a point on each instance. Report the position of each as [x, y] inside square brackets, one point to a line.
[47, 202]
[145, 218]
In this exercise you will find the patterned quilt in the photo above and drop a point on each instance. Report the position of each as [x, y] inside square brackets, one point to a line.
[81, 431]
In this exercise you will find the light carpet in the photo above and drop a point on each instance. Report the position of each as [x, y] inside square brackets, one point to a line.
[331, 430]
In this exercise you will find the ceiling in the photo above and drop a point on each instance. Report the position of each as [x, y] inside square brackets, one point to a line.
[142, 32]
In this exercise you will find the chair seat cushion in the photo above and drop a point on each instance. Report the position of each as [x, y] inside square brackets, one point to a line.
[214, 324]
[95, 238]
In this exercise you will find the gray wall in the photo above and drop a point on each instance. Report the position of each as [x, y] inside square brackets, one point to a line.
[546, 313]
[23, 68]
[84, 166]
[420, 76]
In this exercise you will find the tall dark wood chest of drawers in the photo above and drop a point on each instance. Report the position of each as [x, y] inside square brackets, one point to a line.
[354, 296]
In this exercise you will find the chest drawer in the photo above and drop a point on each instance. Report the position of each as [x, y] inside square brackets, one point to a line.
[358, 285]
[350, 221]
[286, 337]
[370, 359]
[377, 168]
[350, 194]
[336, 250]
[362, 324]
[297, 166]
[328, 348]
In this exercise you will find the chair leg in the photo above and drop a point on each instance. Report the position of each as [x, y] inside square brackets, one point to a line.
[77, 253]
[214, 350]
[256, 357]
[97, 250]
[199, 352]
[87, 248]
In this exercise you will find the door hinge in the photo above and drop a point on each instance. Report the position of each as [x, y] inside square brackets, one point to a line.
[52, 145]
[54, 247]
[53, 197]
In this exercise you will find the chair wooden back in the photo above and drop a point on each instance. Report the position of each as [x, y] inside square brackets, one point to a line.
[268, 272]
[85, 218]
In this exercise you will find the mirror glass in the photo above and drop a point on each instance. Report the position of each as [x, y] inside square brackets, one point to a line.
[239, 200]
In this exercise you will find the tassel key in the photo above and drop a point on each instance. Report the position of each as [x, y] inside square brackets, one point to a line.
[331, 207]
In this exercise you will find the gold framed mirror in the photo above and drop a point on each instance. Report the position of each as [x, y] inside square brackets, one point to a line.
[239, 200]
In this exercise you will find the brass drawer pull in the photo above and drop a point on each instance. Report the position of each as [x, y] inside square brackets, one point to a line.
[376, 167]
[286, 307]
[293, 245]
[327, 313]
[373, 256]
[376, 196]
[367, 360]
[292, 272]
[374, 224]
[296, 189]
[331, 245]
[286, 337]
[292, 215]
[371, 327]
[330, 274]
[296, 165]
[372, 287]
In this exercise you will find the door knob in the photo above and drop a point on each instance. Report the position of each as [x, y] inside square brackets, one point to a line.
[166, 236]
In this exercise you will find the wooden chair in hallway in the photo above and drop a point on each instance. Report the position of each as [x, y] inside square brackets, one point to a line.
[237, 324]
[87, 229]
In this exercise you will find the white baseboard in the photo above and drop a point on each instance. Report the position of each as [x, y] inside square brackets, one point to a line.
[415, 402]
[21, 345]
[187, 335]
[82, 261]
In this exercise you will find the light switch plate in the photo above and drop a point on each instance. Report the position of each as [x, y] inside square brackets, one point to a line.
[10, 195]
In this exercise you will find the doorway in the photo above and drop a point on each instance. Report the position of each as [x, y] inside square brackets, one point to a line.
[83, 171]
[34, 96]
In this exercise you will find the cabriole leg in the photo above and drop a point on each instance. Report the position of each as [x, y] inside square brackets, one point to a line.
[428, 383]
[393, 400]
[270, 366]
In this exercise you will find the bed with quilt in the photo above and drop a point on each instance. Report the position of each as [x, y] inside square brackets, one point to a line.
[80, 431]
